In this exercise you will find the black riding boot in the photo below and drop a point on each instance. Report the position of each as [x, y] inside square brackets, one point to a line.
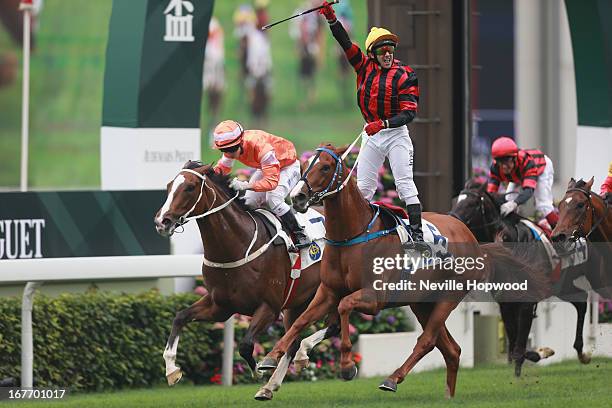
[414, 217]
[291, 223]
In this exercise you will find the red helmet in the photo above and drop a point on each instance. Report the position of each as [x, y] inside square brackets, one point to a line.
[504, 147]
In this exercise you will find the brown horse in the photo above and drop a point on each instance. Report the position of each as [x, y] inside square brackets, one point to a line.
[228, 230]
[479, 210]
[348, 282]
[585, 214]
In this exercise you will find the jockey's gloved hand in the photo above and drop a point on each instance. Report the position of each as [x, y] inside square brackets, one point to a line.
[373, 128]
[240, 185]
[328, 12]
[508, 208]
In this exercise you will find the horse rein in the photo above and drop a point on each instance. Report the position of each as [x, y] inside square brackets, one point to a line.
[588, 195]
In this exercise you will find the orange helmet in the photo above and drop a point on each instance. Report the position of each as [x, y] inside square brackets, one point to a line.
[227, 134]
[504, 147]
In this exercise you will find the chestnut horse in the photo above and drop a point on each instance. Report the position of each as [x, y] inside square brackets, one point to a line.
[479, 210]
[347, 278]
[253, 286]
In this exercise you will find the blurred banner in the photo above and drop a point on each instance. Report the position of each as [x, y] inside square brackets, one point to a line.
[152, 90]
[80, 224]
[590, 22]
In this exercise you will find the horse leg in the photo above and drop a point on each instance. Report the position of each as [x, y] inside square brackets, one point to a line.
[324, 301]
[262, 318]
[301, 359]
[202, 310]
[425, 343]
[509, 317]
[365, 301]
[525, 318]
[446, 344]
[265, 393]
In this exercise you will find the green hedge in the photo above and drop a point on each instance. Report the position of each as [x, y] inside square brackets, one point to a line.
[101, 341]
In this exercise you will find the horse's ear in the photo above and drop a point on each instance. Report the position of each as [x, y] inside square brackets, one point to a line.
[571, 183]
[589, 184]
[483, 188]
[187, 163]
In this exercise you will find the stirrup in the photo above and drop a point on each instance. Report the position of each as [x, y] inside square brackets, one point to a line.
[420, 246]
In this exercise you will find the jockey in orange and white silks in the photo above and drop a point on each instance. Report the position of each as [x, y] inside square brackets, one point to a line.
[531, 170]
[277, 170]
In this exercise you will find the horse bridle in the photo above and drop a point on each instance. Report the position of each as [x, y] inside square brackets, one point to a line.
[317, 196]
[575, 234]
[480, 207]
[185, 217]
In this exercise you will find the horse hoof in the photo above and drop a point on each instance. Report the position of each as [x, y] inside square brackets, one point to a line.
[349, 373]
[388, 385]
[546, 352]
[268, 363]
[174, 377]
[264, 394]
[585, 358]
[299, 365]
[532, 356]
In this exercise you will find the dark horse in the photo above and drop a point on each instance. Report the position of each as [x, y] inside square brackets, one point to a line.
[480, 212]
[228, 229]
[348, 282]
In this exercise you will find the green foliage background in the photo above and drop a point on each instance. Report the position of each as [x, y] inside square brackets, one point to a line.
[67, 72]
[103, 341]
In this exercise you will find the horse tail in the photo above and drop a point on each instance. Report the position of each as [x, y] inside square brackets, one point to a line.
[507, 267]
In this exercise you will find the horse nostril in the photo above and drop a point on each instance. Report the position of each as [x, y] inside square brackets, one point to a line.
[166, 222]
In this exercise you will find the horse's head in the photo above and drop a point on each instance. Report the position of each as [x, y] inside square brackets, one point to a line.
[322, 177]
[187, 195]
[476, 209]
[575, 219]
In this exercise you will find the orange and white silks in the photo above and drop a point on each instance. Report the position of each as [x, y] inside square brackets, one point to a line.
[263, 151]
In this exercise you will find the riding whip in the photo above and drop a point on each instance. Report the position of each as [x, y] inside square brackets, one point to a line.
[298, 15]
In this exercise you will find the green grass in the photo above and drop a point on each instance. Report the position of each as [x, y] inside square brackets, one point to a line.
[568, 384]
[67, 71]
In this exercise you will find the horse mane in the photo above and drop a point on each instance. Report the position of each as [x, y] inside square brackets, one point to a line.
[220, 180]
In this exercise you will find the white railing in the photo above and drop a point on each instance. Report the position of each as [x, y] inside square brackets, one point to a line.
[34, 272]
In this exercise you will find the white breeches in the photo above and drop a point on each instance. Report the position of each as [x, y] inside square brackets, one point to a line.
[396, 145]
[275, 199]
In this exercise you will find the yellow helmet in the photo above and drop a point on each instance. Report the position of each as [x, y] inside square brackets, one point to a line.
[378, 34]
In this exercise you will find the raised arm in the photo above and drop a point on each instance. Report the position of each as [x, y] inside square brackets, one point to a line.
[353, 53]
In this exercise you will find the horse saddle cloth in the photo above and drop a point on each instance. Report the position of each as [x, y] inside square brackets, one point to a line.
[313, 223]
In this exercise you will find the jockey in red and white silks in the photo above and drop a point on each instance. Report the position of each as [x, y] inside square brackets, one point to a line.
[532, 171]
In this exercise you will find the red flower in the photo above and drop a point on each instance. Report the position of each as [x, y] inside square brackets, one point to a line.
[356, 358]
[216, 379]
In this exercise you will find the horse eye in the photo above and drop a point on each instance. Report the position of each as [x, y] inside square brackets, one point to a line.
[325, 168]
[580, 205]
[189, 188]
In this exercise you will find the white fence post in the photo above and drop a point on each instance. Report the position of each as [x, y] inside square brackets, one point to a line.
[27, 340]
[228, 352]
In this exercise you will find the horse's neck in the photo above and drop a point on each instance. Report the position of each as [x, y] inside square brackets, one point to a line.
[491, 227]
[347, 213]
[227, 233]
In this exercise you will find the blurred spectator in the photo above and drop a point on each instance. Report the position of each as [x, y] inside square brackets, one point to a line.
[344, 12]
[307, 33]
[12, 19]
[214, 72]
[261, 13]
[244, 17]
[259, 75]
